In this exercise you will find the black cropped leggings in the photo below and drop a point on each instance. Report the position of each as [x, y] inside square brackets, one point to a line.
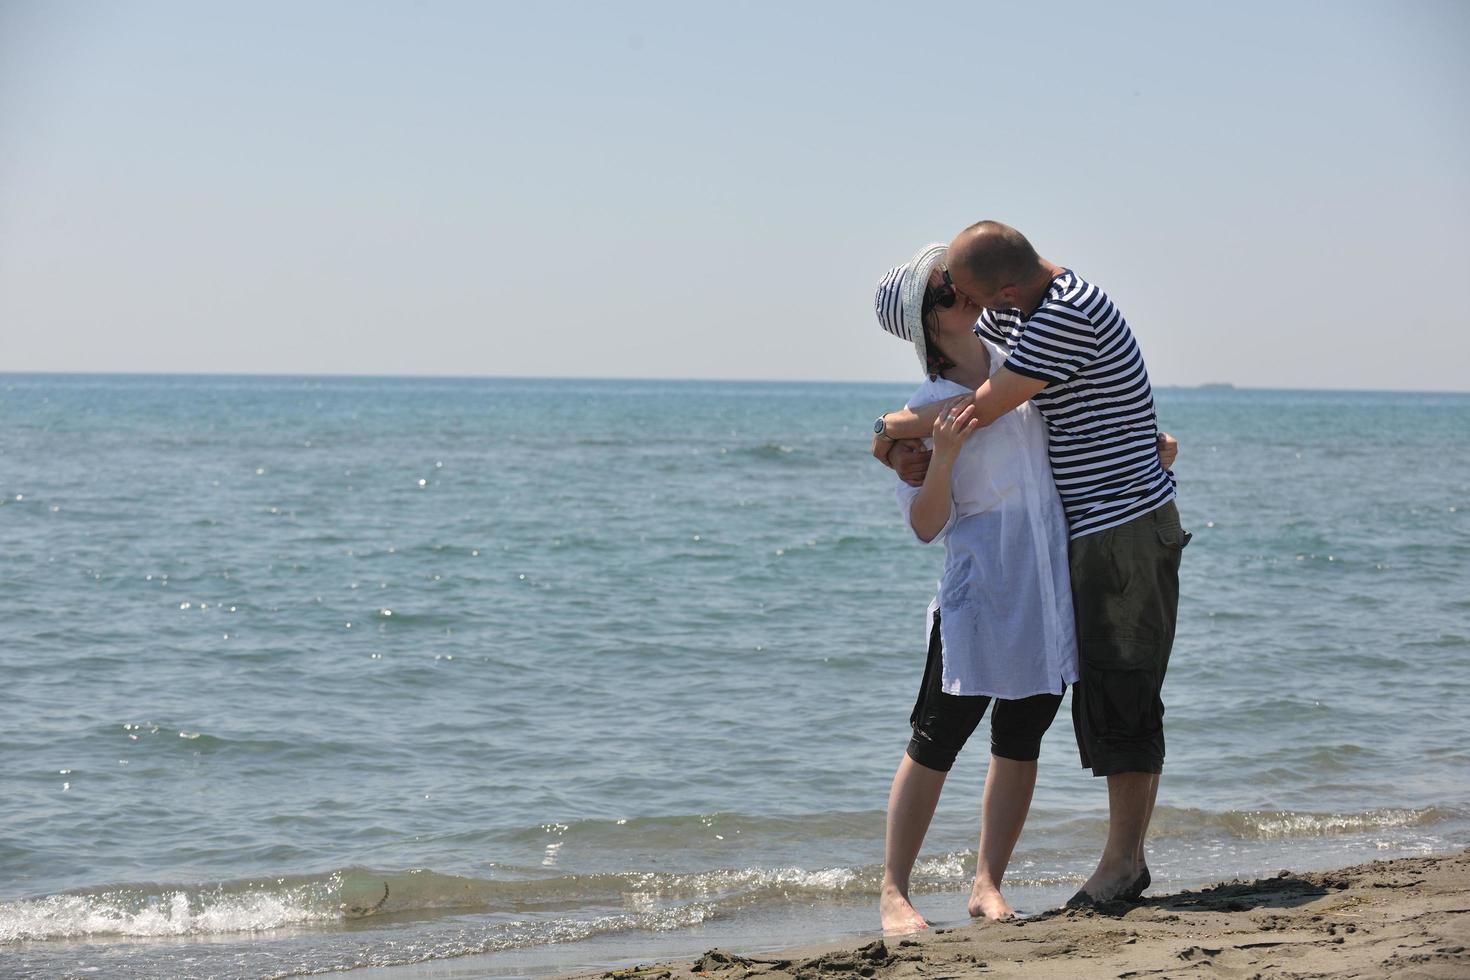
[943, 722]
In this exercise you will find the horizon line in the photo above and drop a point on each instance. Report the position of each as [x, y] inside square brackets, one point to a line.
[1222, 385]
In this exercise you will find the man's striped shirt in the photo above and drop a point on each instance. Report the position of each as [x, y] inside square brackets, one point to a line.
[1098, 405]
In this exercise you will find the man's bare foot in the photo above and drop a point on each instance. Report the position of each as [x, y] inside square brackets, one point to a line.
[986, 902]
[1106, 884]
[898, 915]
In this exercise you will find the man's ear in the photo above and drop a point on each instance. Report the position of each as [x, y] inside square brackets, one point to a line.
[1010, 296]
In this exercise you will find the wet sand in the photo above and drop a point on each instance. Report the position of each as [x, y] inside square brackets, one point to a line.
[1408, 918]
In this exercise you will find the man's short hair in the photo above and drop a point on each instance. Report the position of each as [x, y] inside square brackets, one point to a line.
[997, 255]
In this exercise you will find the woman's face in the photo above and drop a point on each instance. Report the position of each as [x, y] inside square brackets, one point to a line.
[957, 319]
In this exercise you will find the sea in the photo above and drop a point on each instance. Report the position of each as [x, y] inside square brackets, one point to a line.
[485, 677]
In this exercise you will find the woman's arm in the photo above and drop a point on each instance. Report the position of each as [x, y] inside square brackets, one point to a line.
[933, 504]
[931, 507]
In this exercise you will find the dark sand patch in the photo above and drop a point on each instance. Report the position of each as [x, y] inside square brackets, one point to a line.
[1407, 919]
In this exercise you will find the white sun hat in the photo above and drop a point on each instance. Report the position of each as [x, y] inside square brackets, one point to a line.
[899, 301]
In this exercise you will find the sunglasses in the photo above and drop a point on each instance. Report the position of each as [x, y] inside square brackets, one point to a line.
[942, 296]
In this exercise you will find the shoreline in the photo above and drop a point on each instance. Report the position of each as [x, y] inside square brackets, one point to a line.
[1408, 917]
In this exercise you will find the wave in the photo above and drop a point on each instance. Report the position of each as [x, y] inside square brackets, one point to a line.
[769, 450]
[1265, 825]
[691, 832]
[686, 831]
[643, 899]
[570, 904]
[146, 910]
[1275, 825]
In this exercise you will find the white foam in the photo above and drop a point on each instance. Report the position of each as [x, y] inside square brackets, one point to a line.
[1267, 825]
[167, 914]
[710, 883]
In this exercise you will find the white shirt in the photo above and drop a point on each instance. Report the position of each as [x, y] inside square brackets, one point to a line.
[1005, 599]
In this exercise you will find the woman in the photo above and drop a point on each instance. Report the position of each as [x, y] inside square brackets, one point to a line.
[1001, 626]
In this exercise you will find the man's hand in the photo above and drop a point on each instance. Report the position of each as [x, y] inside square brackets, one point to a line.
[1168, 449]
[910, 460]
[882, 446]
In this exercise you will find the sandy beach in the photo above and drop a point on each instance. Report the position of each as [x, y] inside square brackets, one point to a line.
[1404, 918]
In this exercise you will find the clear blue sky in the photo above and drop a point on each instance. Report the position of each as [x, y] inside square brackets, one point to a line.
[1274, 193]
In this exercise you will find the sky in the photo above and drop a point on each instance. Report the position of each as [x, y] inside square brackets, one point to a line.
[1275, 194]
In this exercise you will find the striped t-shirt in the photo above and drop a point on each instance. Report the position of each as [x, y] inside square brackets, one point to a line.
[1098, 405]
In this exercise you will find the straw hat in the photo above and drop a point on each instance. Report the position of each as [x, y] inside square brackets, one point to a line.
[900, 298]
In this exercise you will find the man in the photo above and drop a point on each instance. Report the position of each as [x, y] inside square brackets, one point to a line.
[1072, 352]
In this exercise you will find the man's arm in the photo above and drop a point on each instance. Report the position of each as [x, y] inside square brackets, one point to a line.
[908, 423]
[910, 460]
[1003, 392]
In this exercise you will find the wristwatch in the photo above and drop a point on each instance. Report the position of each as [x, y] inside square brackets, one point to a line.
[880, 428]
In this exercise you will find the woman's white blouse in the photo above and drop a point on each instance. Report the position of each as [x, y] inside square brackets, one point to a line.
[1005, 600]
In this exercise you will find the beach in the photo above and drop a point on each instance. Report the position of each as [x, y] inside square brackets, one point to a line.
[306, 676]
[1404, 918]
[443, 535]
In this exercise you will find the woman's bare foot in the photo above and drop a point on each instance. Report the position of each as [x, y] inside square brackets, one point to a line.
[986, 902]
[898, 915]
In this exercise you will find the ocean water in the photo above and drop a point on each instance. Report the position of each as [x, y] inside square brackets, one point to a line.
[502, 677]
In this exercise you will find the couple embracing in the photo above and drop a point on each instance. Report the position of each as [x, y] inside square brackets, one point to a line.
[1048, 482]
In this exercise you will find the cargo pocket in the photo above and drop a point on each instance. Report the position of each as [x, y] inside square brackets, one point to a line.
[1174, 537]
[1172, 541]
[1119, 691]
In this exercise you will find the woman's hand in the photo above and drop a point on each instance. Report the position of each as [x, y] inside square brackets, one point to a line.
[1168, 449]
[952, 428]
